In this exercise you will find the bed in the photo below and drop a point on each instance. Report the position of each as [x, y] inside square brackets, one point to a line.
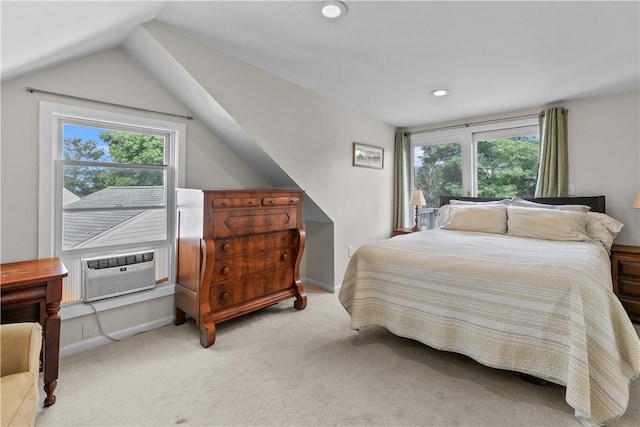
[513, 284]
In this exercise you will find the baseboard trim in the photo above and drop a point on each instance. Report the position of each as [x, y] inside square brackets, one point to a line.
[90, 343]
[323, 286]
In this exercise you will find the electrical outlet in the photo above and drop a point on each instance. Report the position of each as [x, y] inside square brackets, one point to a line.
[88, 330]
[350, 250]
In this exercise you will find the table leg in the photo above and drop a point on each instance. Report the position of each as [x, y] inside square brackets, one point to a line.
[51, 351]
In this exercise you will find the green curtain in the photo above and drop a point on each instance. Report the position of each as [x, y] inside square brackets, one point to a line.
[553, 172]
[402, 180]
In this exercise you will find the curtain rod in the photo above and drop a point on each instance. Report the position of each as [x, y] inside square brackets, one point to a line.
[481, 122]
[32, 90]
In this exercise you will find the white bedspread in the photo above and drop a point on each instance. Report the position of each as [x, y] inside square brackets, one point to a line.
[544, 308]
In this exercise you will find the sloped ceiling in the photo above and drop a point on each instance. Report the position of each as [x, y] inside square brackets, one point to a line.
[382, 58]
[159, 62]
[151, 55]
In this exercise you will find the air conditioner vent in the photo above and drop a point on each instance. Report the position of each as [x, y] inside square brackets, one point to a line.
[106, 262]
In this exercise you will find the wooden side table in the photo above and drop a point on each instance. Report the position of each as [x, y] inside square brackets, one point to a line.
[625, 270]
[30, 291]
[398, 231]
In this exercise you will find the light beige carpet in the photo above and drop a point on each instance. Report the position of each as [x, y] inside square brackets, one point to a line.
[281, 367]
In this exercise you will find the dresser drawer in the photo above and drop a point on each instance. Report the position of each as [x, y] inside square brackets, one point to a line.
[248, 288]
[234, 246]
[255, 263]
[243, 222]
[629, 269]
[629, 287]
[248, 202]
[281, 201]
[632, 306]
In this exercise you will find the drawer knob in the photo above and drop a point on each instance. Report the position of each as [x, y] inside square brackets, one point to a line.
[225, 270]
[225, 295]
[226, 246]
[284, 257]
[271, 201]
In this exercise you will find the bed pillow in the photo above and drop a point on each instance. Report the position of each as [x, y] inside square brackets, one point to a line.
[547, 224]
[442, 215]
[517, 201]
[602, 228]
[443, 211]
[480, 218]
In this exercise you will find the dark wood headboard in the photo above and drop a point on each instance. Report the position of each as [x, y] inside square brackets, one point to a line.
[596, 203]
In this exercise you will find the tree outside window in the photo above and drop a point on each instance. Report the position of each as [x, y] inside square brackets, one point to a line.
[508, 167]
[438, 171]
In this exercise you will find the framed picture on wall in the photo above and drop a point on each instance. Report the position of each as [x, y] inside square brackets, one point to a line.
[368, 156]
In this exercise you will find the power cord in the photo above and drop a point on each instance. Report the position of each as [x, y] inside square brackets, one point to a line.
[106, 334]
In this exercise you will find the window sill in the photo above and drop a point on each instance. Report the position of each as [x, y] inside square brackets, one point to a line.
[79, 308]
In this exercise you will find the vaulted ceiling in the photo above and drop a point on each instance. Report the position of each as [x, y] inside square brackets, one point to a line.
[382, 58]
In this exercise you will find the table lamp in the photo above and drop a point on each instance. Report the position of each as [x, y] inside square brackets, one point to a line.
[417, 199]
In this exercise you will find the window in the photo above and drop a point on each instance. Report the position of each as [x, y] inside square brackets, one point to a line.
[498, 160]
[107, 186]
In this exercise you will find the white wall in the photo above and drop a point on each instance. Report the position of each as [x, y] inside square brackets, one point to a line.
[604, 152]
[604, 155]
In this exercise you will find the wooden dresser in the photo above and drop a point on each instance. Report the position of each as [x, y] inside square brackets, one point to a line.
[625, 268]
[31, 291]
[238, 251]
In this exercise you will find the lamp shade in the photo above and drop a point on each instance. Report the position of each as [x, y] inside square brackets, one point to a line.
[636, 202]
[417, 198]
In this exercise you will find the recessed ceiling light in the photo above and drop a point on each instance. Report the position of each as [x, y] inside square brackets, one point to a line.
[440, 92]
[333, 9]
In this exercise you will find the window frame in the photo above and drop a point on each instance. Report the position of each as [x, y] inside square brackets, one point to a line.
[468, 136]
[50, 198]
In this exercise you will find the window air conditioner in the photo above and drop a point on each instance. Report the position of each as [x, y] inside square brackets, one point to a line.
[119, 274]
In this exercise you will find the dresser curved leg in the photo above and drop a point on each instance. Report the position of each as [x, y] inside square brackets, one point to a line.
[301, 299]
[207, 334]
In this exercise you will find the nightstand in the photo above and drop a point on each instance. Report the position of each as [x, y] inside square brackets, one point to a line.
[625, 268]
[398, 231]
